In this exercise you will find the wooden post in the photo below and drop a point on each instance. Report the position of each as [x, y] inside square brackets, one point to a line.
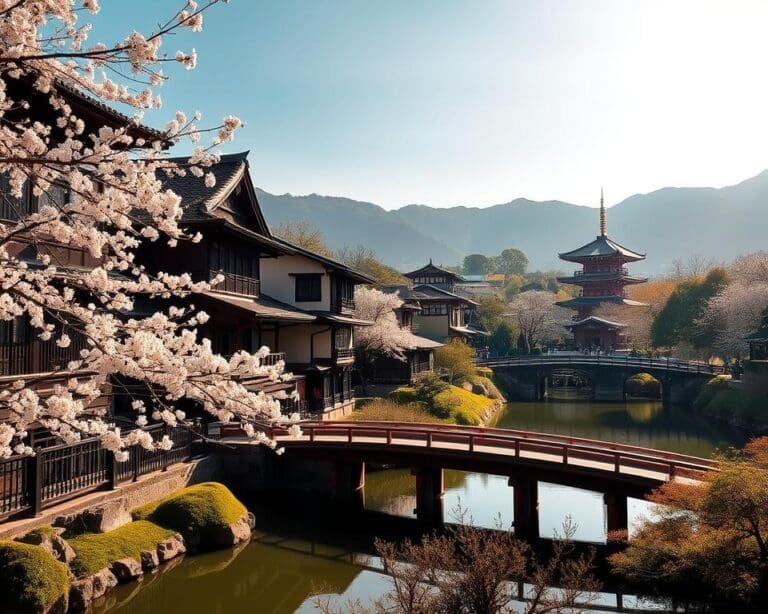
[430, 488]
[616, 514]
[35, 483]
[349, 483]
[526, 507]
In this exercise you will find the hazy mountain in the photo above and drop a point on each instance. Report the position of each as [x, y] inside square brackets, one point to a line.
[667, 224]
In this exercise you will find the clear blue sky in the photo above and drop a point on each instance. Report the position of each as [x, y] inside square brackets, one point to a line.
[457, 102]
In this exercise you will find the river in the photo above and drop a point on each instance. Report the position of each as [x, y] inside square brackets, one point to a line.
[299, 550]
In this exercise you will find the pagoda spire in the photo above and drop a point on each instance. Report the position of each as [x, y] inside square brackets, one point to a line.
[602, 213]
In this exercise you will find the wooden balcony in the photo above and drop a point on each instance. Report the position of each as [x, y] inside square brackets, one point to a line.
[237, 284]
[273, 359]
[33, 355]
[343, 355]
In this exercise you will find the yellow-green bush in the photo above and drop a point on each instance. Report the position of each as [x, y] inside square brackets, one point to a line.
[30, 578]
[388, 410]
[465, 406]
[96, 551]
[643, 385]
[201, 510]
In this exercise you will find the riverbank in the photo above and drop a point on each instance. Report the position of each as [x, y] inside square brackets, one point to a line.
[63, 567]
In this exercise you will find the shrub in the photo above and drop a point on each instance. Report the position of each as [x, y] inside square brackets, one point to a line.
[708, 392]
[95, 551]
[387, 410]
[428, 386]
[457, 358]
[404, 394]
[201, 510]
[31, 578]
[445, 404]
[643, 385]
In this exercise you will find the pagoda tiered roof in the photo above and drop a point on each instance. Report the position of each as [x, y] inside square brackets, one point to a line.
[602, 246]
[580, 278]
[582, 302]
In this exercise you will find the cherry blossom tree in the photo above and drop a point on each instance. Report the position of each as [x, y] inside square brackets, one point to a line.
[537, 317]
[737, 309]
[385, 336]
[115, 201]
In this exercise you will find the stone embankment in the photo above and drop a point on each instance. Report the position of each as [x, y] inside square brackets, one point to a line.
[107, 545]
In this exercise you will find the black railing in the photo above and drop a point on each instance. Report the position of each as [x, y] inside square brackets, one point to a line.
[238, 284]
[272, 359]
[345, 303]
[58, 473]
[663, 364]
[23, 352]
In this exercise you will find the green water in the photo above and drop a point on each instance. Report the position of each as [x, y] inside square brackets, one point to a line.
[302, 550]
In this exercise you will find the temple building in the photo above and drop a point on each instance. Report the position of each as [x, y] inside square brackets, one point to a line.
[602, 279]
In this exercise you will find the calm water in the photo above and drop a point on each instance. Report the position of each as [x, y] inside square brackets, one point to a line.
[299, 552]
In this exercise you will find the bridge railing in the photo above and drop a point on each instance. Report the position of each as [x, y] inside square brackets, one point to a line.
[663, 364]
[563, 449]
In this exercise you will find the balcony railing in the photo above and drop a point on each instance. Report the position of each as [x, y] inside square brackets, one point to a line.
[345, 304]
[344, 353]
[272, 359]
[622, 271]
[238, 284]
[33, 355]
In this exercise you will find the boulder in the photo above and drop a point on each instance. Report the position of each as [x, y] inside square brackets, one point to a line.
[233, 534]
[103, 582]
[81, 594]
[251, 521]
[51, 541]
[479, 388]
[126, 570]
[60, 606]
[97, 519]
[171, 548]
[149, 560]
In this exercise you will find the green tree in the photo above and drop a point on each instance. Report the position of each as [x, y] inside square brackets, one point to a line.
[366, 261]
[490, 312]
[502, 341]
[710, 541]
[304, 235]
[477, 264]
[511, 261]
[457, 358]
[678, 320]
[513, 286]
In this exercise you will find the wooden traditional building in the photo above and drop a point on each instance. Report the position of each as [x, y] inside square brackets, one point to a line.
[443, 313]
[274, 293]
[602, 279]
[419, 356]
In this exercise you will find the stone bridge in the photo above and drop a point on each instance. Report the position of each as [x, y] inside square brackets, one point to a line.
[526, 377]
[330, 458]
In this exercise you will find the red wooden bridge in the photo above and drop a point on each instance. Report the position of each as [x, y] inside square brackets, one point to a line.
[618, 470]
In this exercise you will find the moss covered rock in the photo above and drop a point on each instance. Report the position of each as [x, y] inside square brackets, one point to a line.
[31, 580]
[643, 385]
[208, 515]
[97, 551]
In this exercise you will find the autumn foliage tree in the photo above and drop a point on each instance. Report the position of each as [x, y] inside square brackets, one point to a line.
[114, 199]
[710, 542]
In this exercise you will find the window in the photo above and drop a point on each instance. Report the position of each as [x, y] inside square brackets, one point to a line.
[56, 196]
[11, 207]
[342, 338]
[227, 260]
[438, 309]
[13, 331]
[308, 288]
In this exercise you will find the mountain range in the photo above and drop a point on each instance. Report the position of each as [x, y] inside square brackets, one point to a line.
[667, 224]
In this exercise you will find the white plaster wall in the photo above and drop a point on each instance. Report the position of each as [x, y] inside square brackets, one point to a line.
[295, 342]
[277, 282]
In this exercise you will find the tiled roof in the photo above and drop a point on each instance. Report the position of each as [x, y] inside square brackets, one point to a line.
[422, 343]
[196, 198]
[601, 246]
[596, 320]
[594, 301]
[263, 307]
[433, 268]
[358, 276]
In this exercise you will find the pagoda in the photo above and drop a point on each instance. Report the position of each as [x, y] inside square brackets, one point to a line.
[602, 280]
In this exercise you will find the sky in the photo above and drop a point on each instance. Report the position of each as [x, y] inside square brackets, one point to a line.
[475, 103]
